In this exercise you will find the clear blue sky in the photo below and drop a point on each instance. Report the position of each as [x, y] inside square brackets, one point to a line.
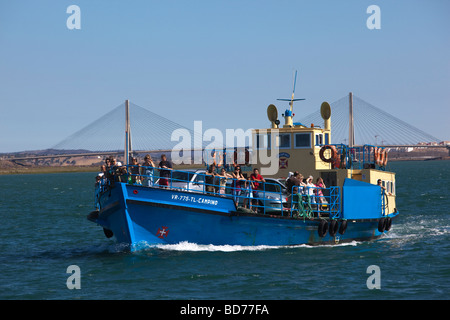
[222, 62]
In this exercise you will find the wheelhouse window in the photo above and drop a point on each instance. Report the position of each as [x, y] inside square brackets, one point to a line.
[303, 140]
[284, 140]
[319, 139]
[263, 141]
[389, 185]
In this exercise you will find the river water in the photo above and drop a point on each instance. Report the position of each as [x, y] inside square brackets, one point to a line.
[44, 230]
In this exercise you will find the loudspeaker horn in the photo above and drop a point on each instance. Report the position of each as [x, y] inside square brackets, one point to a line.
[272, 114]
[325, 110]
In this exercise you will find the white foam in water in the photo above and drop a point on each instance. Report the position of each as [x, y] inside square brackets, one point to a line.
[189, 246]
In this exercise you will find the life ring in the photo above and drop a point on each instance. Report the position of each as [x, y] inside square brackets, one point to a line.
[388, 224]
[334, 225]
[322, 229]
[383, 158]
[376, 155]
[246, 159]
[334, 154]
[343, 227]
[381, 224]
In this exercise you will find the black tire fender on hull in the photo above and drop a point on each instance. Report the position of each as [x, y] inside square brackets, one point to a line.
[381, 224]
[343, 227]
[334, 226]
[388, 224]
[323, 228]
[108, 233]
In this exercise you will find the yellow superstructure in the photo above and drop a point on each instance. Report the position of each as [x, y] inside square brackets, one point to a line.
[298, 147]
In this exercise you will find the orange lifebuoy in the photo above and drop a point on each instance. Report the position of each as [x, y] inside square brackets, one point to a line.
[376, 154]
[383, 158]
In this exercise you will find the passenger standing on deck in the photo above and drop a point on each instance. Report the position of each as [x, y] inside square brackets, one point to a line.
[292, 185]
[209, 179]
[238, 178]
[383, 188]
[294, 182]
[107, 164]
[164, 171]
[134, 172]
[320, 197]
[257, 184]
[311, 187]
[223, 176]
[380, 185]
[116, 169]
[147, 171]
[248, 194]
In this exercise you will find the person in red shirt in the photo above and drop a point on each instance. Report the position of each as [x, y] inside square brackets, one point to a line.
[257, 180]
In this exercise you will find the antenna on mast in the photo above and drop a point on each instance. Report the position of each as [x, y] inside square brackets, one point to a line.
[288, 114]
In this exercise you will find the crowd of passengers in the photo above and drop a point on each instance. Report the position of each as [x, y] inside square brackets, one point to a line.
[113, 170]
[215, 180]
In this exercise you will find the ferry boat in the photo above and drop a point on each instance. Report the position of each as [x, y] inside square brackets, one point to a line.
[353, 204]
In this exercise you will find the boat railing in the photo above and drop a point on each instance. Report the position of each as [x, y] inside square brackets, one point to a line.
[359, 157]
[315, 202]
[268, 198]
[384, 203]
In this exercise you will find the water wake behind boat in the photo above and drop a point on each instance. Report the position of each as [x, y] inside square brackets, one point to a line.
[194, 247]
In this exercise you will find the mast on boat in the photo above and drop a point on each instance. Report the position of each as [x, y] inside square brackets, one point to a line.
[127, 133]
[288, 114]
[351, 130]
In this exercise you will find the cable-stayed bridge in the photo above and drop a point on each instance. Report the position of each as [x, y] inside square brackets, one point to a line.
[372, 125]
[151, 132]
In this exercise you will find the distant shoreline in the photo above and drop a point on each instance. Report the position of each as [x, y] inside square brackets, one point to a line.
[68, 169]
[47, 169]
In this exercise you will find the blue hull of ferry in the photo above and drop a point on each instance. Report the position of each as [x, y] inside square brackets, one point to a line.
[145, 216]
